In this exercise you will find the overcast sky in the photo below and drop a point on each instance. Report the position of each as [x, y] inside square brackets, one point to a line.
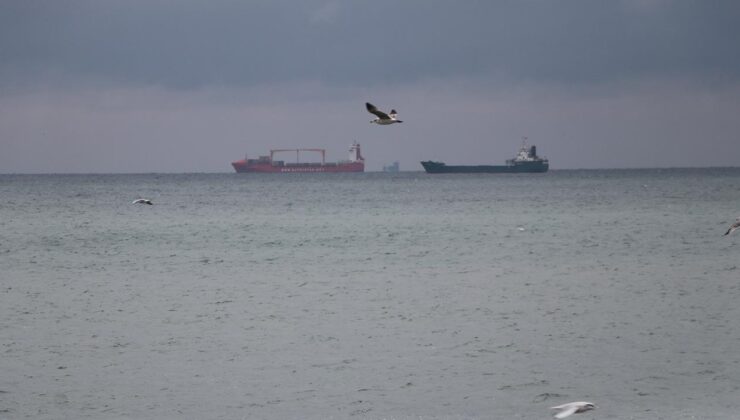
[189, 86]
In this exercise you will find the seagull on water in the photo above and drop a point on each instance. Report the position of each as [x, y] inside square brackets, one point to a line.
[733, 227]
[142, 201]
[383, 118]
[566, 410]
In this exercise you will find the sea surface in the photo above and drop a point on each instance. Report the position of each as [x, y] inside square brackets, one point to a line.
[370, 296]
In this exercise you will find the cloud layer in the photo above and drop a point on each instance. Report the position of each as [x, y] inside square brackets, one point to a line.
[187, 44]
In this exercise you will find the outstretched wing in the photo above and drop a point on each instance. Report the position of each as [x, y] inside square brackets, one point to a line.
[565, 413]
[733, 227]
[373, 110]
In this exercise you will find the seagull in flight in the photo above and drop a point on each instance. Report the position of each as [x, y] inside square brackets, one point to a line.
[568, 409]
[383, 118]
[142, 201]
[733, 227]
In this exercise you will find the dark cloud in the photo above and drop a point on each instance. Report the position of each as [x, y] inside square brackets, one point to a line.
[186, 44]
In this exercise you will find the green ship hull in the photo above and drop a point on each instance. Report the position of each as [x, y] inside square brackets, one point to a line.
[441, 168]
[526, 161]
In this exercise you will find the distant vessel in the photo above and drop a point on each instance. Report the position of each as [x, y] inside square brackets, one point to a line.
[267, 164]
[526, 161]
[393, 167]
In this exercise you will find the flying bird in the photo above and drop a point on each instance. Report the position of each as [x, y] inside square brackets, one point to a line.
[383, 118]
[142, 201]
[568, 409]
[733, 227]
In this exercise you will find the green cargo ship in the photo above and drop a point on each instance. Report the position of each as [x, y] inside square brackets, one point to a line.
[526, 161]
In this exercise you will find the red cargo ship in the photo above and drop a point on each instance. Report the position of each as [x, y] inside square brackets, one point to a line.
[267, 164]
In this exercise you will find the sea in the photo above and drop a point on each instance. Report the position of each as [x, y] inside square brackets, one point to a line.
[370, 296]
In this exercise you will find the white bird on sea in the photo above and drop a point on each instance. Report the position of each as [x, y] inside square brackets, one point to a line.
[383, 118]
[142, 201]
[733, 227]
[568, 409]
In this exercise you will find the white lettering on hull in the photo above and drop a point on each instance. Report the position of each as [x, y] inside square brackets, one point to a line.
[302, 170]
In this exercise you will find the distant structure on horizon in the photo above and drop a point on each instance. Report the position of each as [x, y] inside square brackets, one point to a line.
[393, 167]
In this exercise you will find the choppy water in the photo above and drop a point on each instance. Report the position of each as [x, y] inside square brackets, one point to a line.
[370, 296]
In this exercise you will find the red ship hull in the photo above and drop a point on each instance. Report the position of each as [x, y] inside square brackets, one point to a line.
[242, 166]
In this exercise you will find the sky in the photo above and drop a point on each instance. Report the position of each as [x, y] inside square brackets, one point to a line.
[117, 86]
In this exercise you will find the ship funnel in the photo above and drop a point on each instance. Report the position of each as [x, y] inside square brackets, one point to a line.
[533, 151]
